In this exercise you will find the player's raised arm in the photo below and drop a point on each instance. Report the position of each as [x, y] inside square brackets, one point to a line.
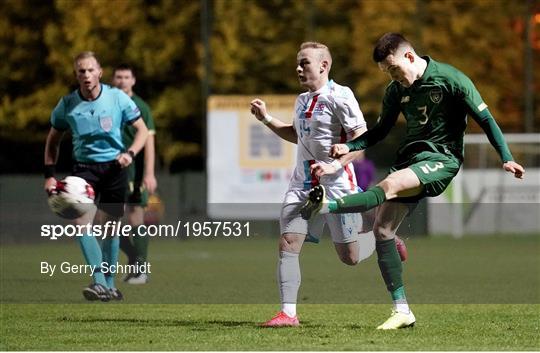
[283, 130]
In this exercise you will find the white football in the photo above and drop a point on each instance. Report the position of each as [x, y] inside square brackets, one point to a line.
[72, 198]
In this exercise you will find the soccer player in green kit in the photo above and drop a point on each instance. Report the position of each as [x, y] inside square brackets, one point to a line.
[435, 99]
[141, 176]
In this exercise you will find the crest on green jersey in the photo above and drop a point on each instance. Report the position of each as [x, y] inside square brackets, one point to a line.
[436, 95]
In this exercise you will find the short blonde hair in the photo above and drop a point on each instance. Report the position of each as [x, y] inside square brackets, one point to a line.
[323, 50]
[86, 55]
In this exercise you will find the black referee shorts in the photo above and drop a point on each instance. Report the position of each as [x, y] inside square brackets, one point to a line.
[109, 181]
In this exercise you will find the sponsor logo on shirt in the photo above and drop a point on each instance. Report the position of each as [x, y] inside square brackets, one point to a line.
[405, 99]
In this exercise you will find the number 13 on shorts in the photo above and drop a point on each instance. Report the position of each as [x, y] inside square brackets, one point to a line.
[427, 168]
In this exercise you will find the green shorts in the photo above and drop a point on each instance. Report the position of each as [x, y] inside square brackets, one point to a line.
[137, 193]
[435, 170]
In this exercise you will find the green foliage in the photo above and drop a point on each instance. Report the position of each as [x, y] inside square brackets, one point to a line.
[464, 36]
[369, 21]
[252, 45]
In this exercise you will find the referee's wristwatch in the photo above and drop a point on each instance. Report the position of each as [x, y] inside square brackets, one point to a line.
[131, 154]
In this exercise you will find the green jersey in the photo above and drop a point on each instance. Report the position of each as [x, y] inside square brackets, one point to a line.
[129, 131]
[435, 107]
[136, 169]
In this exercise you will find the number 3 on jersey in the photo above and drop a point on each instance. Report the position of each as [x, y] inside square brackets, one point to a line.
[426, 168]
[423, 111]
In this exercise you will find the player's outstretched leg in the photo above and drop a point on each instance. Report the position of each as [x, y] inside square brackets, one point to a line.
[355, 203]
[319, 203]
[359, 202]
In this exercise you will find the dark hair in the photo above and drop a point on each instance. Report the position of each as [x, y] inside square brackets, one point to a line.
[124, 67]
[387, 45]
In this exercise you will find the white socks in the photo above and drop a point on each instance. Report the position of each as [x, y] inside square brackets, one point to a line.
[401, 306]
[288, 273]
[289, 309]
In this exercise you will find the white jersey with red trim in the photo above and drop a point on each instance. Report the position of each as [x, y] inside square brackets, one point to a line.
[323, 118]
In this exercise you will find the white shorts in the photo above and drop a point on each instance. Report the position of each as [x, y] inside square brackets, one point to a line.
[344, 228]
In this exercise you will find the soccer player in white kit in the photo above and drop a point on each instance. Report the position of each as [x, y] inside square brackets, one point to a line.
[326, 114]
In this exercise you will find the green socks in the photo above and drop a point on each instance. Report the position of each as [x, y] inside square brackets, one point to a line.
[135, 246]
[398, 294]
[127, 247]
[391, 268]
[140, 242]
[390, 265]
[359, 202]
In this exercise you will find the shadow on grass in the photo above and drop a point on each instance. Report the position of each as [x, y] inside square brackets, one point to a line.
[198, 325]
[162, 322]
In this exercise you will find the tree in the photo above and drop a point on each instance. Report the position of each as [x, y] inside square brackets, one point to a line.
[253, 46]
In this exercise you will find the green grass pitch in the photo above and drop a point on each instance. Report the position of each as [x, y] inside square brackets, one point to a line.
[479, 293]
